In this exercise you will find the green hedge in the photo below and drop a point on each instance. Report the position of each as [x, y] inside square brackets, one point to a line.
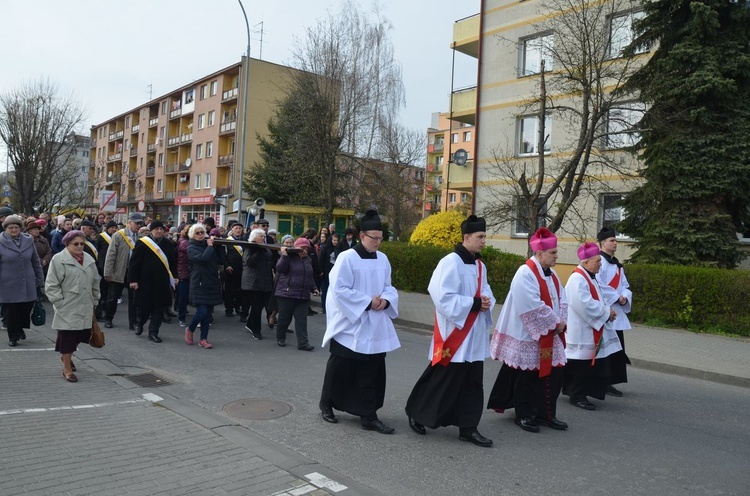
[691, 297]
[413, 266]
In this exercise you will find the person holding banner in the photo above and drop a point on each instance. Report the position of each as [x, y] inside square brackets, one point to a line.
[450, 391]
[151, 273]
[591, 338]
[529, 339]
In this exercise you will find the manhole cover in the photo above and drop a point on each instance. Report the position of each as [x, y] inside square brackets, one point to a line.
[257, 409]
[148, 380]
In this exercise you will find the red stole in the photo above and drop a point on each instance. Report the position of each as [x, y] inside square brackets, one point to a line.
[615, 282]
[595, 295]
[545, 342]
[443, 350]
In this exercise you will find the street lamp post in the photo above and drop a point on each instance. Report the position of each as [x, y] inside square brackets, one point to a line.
[246, 83]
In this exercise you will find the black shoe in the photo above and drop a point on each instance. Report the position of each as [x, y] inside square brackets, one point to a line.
[306, 347]
[257, 335]
[527, 424]
[132, 327]
[378, 426]
[611, 390]
[154, 338]
[243, 319]
[476, 438]
[328, 416]
[12, 343]
[552, 423]
[584, 404]
[22, 335]
[138, 329]
[167, 320]
[281, 343]
[229, 314]
[170, 313]
[416, 426]
[108, 324]
[312, 312]
[238, 311]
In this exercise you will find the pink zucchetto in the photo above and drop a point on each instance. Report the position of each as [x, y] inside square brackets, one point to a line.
[587, 250]
[543, 239]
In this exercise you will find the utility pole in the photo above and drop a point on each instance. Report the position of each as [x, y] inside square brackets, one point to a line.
[245, 84]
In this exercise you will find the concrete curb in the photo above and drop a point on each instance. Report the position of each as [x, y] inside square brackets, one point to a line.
[691, 372]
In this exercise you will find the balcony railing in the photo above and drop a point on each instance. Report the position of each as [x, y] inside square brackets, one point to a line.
[92, 163]
[173, 141]
[135, 129]
[229, 94]
[116, 135]
[151, 147]
[170, 195]
[133, 152]
[224, 191]
[226, 161]
[114, 157]
[182, 192]
[93, 143]
[150, 171]
[171, 168]
[435, 147]
[130, 199]
[228, 126]
[175, 113]
[132, 176]
[153, 121]
[149, 196]
[183, 168]
[186, 138]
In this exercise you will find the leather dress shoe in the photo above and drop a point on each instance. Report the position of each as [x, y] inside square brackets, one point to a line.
[612, 391]
[12, 342]
[22, 335]
[476, 438]
[138, 329]
[552, 423]
[108, 324]
[167, 320]
[154, 338]
[527, 424]
[170, 312]
[281, 343]
[306, 347]
[584, 404]
[328, 416]
[416, 426]
[378, 426]
[131, 327]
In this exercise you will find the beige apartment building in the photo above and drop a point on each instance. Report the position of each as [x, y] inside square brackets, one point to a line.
[179, 153]
[510, 46]
[449, 184]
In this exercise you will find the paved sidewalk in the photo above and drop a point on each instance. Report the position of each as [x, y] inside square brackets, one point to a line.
[107, 435]
[704, 356]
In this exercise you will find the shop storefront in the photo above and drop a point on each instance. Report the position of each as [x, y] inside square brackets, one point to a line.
[198, 208]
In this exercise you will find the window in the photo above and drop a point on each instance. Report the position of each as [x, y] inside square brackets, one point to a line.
[209, 149]
[199, 151]
[159, 185]
[161, 160]
[143, 137]
[204, 91]
[214, 87]
[621, 122]
[189, 96]
[211, 118]
[528, 135]
[467, 135]
[197, 182]
[521, 221]
[127, 144]
[207, 180]
[201, 121]
[621, 33]
[439, 160]
[127, 121]
[611, 211]
[162, 132]
[454, 138]
[464, 197]
[163, 107]
[451, 197]
[535, 51]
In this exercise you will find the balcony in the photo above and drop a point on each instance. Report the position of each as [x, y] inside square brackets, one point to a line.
[175, 113]
[116, 135]
[149, 196]
[182, 192]
[92, 163]
[229, 95]
[113, 180]
[153, 121]
[114, 157]
[228, 126]
[466, 36]
[186, 138]
[170, 195]
[171, 168]
[173, 141]
[151, 147]
[226, 161]
[132, 176]
[224, 191]
[130, 199]
[436, 147]
[461, 177]
[434, 169]
[93, 143]
[465, 105]
[135, 129]
[430, 206]
[133, 152]
[150, 172]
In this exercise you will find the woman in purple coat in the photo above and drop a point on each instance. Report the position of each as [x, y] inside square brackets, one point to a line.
[296, 283]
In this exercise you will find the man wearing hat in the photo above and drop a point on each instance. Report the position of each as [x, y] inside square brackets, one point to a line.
[530, 342]
[151, 274]
[450, 391]
[116, 269]
[360, 307]
[591, 338]
[263, 224]
[89, 231]
[4, 212]
[103, 240]
[617, 295]
[233, 272]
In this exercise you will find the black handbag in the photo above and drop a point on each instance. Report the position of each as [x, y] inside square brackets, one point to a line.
[38, 313]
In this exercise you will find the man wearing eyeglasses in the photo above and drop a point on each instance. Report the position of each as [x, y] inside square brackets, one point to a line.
[116, 269]
[360, 307]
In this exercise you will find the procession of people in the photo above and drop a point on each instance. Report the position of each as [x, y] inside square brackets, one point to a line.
[550, 338]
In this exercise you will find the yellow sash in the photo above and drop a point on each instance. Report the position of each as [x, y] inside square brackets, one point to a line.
[236, 247]
[92, 248]
[106, 237]
[129, 241]
[159, 253]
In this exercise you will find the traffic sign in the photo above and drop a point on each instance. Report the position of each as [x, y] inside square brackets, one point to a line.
[108, 201]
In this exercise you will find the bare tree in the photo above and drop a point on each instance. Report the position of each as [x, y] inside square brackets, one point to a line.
[580, 72]
[35, 123]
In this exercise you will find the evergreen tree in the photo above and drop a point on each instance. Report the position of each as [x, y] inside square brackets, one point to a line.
[695, 135]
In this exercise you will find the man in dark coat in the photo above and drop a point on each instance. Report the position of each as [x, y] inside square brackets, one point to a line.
[151, 273]
[102, 245]
[233, 273]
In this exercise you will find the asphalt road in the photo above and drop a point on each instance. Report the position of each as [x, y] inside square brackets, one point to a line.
[667, 435]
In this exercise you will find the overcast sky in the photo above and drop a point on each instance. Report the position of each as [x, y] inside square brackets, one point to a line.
[107, 53]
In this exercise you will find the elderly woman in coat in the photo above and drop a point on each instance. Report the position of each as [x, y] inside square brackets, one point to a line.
[43, 249]
[21, 278]
[296, 283]
[205, 284]
[257, 281]
[73, 288]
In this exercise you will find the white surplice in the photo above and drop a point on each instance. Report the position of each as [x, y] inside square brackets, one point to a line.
[354, 281]
[612, 295]
[452, 287]
[525, 318]
[586, 314]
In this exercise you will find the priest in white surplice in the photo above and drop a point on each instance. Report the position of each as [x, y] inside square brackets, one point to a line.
[529, 339]
[451, 391]
[591, 338]
[617, 295]
[360, 307]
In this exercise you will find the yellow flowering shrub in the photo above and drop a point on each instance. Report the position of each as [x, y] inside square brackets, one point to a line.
[443, 230]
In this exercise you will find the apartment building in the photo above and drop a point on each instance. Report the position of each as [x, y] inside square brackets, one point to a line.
[514, 43]
[449, 183]
[179, 153]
